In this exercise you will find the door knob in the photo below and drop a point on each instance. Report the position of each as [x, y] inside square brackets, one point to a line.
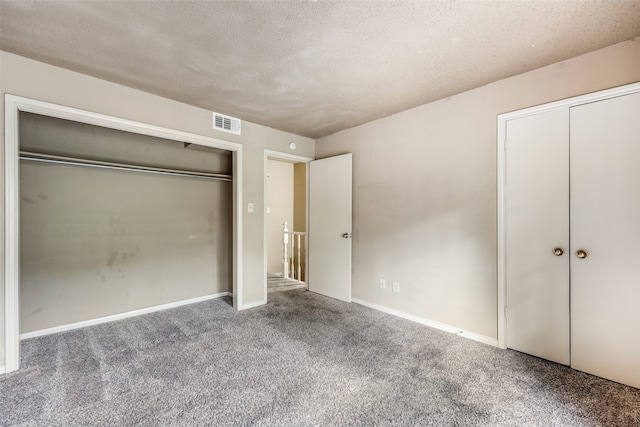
[347, 235]
[558, 252]
[581, 254]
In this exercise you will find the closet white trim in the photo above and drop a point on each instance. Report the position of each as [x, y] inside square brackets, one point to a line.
[13, 106]
[501, 182]
[119, 316]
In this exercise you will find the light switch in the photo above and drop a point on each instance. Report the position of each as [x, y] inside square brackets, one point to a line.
[250, 207]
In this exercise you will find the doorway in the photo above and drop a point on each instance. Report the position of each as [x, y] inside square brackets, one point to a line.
[285, 221]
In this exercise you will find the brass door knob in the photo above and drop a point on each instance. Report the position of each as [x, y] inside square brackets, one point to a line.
[558, 252]
[581, 254]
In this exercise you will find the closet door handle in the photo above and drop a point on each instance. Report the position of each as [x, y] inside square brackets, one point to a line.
[558, 252]
[581, 254]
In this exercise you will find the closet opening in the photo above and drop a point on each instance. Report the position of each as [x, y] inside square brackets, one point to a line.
[113, 222]
[108, 218]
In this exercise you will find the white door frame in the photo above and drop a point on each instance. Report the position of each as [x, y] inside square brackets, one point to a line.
[291, 158]
[13, 106]
[501, 181]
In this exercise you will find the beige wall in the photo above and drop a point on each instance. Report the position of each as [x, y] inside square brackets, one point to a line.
[97, 242]
[300, 197]
[31, 79]
[280, 203]
[425, 190]
[300, 210]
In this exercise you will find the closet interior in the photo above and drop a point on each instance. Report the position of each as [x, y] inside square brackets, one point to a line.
[113, 222]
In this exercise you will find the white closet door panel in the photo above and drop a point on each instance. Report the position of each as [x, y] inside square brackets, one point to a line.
[537, 197]
[605, 222]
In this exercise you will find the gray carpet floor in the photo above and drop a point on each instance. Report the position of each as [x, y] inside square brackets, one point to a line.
[277, 283]
[301, 360]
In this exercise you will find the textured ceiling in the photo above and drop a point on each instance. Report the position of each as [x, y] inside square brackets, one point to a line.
[310, 67]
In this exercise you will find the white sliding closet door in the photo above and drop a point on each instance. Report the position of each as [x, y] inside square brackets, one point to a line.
[537, 223]
[605, 223]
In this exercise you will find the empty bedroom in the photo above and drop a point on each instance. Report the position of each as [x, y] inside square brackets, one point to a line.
[315, 212]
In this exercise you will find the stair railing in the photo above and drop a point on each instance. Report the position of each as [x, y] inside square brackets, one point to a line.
[293, 244]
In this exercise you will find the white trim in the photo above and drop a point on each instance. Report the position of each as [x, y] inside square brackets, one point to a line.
[16, 104]
[572, 102]
[253, 304]
[294, 158]
[306, 223]
[501, 183]
[119, 316]
[502, 242]
[12, 237]
[480, 338]
[431, 323]
[238, 212]
[88, 117]
[2, 369]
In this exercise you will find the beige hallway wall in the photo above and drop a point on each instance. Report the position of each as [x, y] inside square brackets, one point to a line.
[425, 190]
[280, 208]
[300, 211]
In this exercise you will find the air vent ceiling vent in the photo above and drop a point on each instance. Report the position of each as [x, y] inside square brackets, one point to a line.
[226, 123]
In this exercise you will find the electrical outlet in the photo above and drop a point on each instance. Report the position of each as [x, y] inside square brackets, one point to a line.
[396, 287]
[383, 284]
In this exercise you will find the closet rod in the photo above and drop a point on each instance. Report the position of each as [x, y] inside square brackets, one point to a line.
[50, 158]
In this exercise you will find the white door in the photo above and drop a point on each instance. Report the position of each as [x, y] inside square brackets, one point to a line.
[537, 221]
[329, 228]
[605, 224]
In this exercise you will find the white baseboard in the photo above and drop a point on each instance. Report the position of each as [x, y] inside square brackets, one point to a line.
[252, 305]
[119, 316]
[430, 323]
[2, 369]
